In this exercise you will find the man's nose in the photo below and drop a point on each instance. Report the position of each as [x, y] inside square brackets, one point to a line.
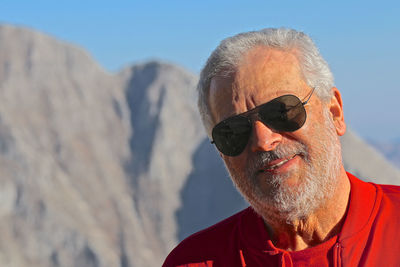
[263, 138]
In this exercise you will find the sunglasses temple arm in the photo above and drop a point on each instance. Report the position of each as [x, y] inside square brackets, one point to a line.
[305, 102]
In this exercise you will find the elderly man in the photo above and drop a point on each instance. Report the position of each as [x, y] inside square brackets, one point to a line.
[269, 105]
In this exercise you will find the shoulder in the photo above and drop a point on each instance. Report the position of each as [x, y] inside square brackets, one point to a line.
[390, 189]
[207, 244]
[390, 192]
[382, 190]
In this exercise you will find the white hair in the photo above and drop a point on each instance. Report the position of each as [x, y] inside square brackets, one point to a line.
[226, 57]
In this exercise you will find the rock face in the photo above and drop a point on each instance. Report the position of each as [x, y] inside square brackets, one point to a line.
[109, 170]
[364, 161]
[391, 150]
[64, 134]
[162, 111]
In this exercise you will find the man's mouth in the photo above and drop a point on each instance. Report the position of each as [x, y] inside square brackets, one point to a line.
[275, 164]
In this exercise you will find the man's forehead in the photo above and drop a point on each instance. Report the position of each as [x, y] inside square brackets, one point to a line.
[262, 74]
[268, 57]
[267, 68]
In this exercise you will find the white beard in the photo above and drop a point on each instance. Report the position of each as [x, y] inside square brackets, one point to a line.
[280, 202]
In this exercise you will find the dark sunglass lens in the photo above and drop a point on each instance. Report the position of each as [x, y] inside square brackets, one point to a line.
[285, 113]
[231, 135]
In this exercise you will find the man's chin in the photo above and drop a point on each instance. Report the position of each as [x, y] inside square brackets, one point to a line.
[279, 213]
[284, 196]
[266, 184]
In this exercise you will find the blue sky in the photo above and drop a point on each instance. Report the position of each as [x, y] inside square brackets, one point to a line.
[359, 39]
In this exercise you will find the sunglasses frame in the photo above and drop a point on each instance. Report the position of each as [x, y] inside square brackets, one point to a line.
[254, 114]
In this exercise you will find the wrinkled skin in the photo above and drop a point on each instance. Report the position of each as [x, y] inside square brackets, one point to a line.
[290, 177]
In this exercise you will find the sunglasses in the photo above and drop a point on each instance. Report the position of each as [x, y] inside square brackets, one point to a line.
[282, 114]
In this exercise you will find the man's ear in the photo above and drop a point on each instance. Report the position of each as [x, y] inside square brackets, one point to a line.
[336, 110]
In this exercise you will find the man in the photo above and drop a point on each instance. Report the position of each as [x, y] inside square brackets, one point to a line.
[269, 105]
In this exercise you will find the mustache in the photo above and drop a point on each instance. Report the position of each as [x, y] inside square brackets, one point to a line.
[263, 158]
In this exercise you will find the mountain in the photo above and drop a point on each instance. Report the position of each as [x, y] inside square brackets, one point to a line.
[162, 111]
[101, 169]
[364, 161]
[390, 149]
[64, 135]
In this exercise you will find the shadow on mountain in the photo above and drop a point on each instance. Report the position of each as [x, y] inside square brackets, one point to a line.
[208, 195]
[144, 123]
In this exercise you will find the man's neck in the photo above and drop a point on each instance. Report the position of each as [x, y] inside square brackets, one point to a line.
[318, 227]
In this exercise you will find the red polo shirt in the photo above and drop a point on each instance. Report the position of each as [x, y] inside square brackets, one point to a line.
[369, 237]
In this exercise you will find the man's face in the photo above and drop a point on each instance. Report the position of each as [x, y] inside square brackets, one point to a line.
[286, 174]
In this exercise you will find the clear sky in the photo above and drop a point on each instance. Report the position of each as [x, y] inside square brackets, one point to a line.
[359, 39]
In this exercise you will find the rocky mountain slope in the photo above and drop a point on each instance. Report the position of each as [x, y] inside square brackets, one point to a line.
[64, 134]
[390, 149]
[100, 169]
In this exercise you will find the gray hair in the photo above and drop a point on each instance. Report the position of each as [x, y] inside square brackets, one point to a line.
[226, 57]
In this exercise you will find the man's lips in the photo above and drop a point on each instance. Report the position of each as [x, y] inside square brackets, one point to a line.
[272, 165]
